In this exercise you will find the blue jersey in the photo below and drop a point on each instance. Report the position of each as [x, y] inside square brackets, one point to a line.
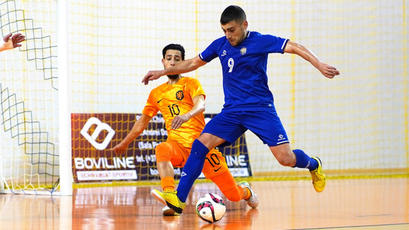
[244, 69]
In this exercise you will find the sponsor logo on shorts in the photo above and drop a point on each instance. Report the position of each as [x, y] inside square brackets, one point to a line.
[281, 139]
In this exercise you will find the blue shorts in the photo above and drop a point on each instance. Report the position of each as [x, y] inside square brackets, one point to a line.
[230, 125]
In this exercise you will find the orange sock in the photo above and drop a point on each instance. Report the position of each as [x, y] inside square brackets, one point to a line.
[228, 186]
[168, 183]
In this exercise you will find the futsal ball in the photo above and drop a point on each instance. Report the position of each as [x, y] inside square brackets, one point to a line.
[210, 207]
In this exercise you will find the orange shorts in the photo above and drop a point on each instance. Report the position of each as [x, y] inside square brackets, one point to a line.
[177, 154]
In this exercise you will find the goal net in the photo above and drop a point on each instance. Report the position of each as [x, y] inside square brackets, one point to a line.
[29, 159]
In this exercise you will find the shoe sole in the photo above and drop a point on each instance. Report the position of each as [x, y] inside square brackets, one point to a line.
[178, 210]
[158, 197]
[166, 211]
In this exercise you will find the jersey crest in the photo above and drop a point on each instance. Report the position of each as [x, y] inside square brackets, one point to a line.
[180, 95]
[243, 51]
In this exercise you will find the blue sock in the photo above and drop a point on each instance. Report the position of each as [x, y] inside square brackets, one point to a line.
[304, 161]
[192, 169]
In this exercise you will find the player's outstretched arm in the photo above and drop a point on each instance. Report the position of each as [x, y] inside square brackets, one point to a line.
[182, 67]
[198, 107]
[136, 130]
[12, 41]
[327, 70]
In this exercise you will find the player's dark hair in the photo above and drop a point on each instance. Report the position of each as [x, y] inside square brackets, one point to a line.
[174, 47]
[232, 13]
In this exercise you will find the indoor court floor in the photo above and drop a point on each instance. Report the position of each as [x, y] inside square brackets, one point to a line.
[381, 203]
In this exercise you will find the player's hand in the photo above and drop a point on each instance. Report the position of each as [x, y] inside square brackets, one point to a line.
[179, 120]
[14, 41]
[152, 75]
[327, 70]
[119, 148]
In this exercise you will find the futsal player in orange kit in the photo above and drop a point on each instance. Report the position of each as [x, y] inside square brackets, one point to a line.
[181, 101]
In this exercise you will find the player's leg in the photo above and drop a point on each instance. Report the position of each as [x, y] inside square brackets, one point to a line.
[299, 159]
[292, 158]
[215, 169]
[220, 129]
[194, 163]
[268, 127]
[168, 154]
[193, 166]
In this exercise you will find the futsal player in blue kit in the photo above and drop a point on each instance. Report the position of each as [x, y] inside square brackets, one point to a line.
[249, 104]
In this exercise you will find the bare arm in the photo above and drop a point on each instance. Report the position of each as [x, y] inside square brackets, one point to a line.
[136, 130]
[198, 107]
[182, 67]
[11, 42]
[327, 70]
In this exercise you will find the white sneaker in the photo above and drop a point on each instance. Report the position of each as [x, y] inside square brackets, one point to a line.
[252, 201]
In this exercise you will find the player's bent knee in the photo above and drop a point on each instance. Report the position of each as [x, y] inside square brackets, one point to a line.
[162, 152]
[210, 140]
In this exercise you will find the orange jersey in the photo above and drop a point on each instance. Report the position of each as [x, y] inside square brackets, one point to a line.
[177, 99]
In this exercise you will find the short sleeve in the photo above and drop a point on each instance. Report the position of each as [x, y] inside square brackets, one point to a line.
[210, 52]
[274, 44]
[151, 108]
[195, 88]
